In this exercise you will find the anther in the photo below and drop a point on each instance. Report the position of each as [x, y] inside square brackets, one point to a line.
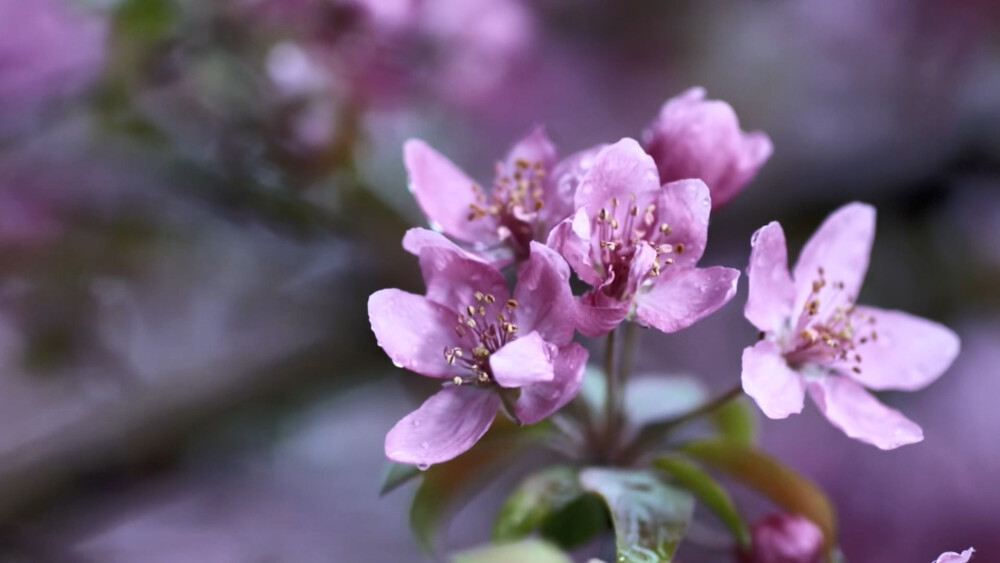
[457, 381]
[511, 304]
[665, 228]
[471, 310]
[679, 248]
[479, 296]
[489, 298]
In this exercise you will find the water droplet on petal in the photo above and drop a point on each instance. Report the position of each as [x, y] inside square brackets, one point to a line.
[415, 423]
[423, 466]
[425, 445]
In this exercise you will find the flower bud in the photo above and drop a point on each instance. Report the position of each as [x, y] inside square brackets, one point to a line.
[784, 538]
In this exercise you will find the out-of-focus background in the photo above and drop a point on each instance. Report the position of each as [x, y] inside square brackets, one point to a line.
[197, 198]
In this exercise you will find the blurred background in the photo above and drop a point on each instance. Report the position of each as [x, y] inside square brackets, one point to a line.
[197, 198]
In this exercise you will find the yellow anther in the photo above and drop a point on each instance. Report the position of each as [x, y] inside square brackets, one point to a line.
[489, 298]
[665, 228]
[511, 304]
[679, 247]
[457, 380]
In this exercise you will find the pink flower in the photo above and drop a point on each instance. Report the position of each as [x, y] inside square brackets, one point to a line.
[815, 337]
[530, 193]
[952, 557]
[784, 538]
[469, 331]
[695, 138]
[637, 244]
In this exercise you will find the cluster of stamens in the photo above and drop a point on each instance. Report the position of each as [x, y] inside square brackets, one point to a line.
[519, 193]
[618, 239]
[835, 333]
[483, 327]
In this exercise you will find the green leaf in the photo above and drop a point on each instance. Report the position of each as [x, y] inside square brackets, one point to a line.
[781, 484]
[649, 516]
[145, 19]
[691, 477]
[534, 500]
[577, 522]
[396, 475]
[736, 421]
[527, 551]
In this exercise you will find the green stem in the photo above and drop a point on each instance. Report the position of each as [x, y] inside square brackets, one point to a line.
[611, 399]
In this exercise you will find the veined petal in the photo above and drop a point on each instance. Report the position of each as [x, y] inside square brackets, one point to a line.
[684, 298]
[445, 193]
[564, 180]
[618, 170]
[452, 275]
[952, 557]
[524, 361]
[778, 389]
[571, 239]
[685, 206]
[539, 400]
[418, 238]
[849, 407]
[909, 352]
[772, 292]
[413, 331]
[841, 247]
[598, 314]
[445, 426]
[533, 147]
[545, 302]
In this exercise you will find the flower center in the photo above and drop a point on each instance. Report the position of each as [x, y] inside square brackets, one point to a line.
[483, 327]
[513, 203]
[830, 328]
[620, 229]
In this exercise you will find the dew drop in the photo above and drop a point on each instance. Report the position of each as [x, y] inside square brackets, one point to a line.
[423, 466]
[425, 445]
[415, 423]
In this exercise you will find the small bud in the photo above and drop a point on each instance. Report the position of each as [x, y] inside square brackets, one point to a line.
[784, 538]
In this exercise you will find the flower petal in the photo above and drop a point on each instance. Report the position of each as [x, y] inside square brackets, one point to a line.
[539, 400]
[952, 557]
[413, 331]
[524, 361]
[684, 206]
[571, 239]
[848, 406]
[545, 302]
[445, 426]
[618, 170]
[909, 352]
[564, 180]
[533, 147]
[772, 292]
[686, 297]
[841, 247]
[778, 389]
[597, 314]
[452, 275]
[444, 193]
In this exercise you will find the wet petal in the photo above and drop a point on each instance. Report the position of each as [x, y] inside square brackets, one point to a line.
[598, 314]
[545, 302]
[909, 352]
[684, 206]
[841, 247]
[564, 180]
[618, 170]
[524, 361]
[533, 147]
[445, 193]
[778, 389]
[452, 275]
[539, 400]
[413, 331]
[686, 297]
[848, 406]
[571, 239]
[772, 292]
[445, 426]
[952, 557]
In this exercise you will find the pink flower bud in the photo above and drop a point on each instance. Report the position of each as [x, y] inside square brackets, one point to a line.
[784, 538]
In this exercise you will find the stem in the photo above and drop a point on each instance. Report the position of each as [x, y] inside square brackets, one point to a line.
[611, 398]
[629, 344]
[651, 433]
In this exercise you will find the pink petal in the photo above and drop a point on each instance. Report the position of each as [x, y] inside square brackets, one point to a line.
[571, 239]
[524, 361]
[413, 331]
[565, 178]
[417, 239]
[772, 292]
[952, 557]
[684, 206]
[860, 415]
[533, 147]
[445, 193]
[598, 314]
[545, 302]
[452, 275]
[539, 400]
[686, 297]
[642, 263]
[778, 389]
[909, 352]
[445, 426]
[841, 247]
[619, 170]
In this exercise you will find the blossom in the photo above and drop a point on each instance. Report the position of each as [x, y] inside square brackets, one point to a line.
[784, 538]
[816, 337]
[697, 138]
[531, 192]
[469, 331]
[952, 557]
[636, 243]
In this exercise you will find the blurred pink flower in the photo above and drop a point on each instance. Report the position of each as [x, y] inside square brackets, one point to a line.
[814, 335]
[468, 330]
[637, 244]
[784, 538]
[531, 193]
[697, 138]
[48, 49]
[952, 557]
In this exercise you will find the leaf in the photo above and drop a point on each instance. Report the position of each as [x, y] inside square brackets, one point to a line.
[396, 475]
[145, 19]
[736, 421]
[649, 516]
[781, 484]
[691, 477]
[534, 500]
[577, 522]
[527, 551]
[655, 397]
